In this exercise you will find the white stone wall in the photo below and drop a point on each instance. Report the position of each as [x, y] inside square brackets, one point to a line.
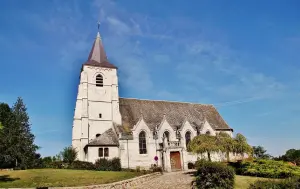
[92, 101]
[145, 160]
[93, 154]
[135, 158]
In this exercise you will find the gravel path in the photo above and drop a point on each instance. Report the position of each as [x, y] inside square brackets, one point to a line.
[173, 180]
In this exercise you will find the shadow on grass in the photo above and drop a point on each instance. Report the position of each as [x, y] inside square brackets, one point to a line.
[7, 178]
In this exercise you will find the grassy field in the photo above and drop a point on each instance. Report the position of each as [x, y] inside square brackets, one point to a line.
[60, 177]
[242, 182]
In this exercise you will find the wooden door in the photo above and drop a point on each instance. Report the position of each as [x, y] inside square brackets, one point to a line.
[175, 160]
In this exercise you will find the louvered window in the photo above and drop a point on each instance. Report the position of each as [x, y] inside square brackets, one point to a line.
[99, 80]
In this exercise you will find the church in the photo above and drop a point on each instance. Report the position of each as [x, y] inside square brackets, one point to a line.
[139, 132]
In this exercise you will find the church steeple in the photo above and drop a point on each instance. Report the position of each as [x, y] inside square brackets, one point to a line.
[97, 52]
[97, 56]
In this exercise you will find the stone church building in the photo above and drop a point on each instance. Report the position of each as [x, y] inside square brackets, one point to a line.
[135, 130]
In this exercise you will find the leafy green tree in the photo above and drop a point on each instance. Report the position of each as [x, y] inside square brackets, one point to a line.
[260, 152]
[69, 154]
[46, 161]
[292, 155]
[227, 143]
[241, 145]
[204, 144]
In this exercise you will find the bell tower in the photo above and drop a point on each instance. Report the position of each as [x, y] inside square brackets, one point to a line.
[97, 103]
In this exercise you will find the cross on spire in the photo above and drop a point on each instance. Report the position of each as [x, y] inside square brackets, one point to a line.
[98, 25]
[97, 56]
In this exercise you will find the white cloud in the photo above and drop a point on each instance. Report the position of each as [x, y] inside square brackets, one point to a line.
[118, 26]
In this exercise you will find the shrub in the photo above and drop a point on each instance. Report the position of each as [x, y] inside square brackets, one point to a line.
[82, 165]
[56, 165]
[102, 164]
[199, 163]
[69, 154]
[47, 161]
[138, 169]
[214, 175]
[267, 169]
[290, 183]
[155, 168]
[108, 165]
[116, 164]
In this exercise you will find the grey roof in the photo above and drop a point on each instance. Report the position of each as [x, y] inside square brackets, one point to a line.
[97, 56]
[108, 138]
[153, 112]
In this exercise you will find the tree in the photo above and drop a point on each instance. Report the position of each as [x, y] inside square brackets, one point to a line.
[17, 146]
[227, 143]
[204, 144]
[241, 145]
[46, 161]
[260, 152]
[26, 149]
[292, 155]
[69, 154]
[7, 150]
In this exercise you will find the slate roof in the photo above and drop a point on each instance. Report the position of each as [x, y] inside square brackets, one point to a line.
[97, 56]
[153, 112]
[108, 138]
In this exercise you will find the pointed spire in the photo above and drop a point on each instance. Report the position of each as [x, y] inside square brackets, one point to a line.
[97, 52]
[97, 56]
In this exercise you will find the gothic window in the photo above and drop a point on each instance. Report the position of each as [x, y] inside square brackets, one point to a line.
[100, 152]
[187, 138]
[99, 80]
[142, 143]
[106, 152]
[167, 135]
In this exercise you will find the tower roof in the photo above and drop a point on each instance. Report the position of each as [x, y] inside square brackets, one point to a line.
[97, 56]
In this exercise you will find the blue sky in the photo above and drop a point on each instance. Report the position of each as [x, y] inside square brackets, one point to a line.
[241, 56]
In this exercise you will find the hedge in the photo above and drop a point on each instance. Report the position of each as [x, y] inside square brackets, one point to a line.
[290, 183]
[267, 169]
[214, 175]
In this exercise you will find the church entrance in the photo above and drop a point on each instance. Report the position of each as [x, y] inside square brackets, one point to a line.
[175, 161]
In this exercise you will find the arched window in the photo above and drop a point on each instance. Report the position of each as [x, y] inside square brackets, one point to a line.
[187, 138]
[97, 135]
[99, 80]
[207, 132]
[167, 135]
[142, 143]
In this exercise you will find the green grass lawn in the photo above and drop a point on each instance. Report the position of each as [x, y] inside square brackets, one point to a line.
[242, 182]
[60, 177]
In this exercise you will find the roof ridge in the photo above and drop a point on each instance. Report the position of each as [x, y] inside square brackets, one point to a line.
[168, 101]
